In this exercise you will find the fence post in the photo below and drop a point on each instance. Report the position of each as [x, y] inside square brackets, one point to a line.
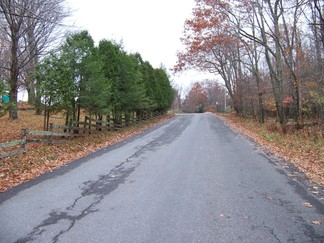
[108, 122]
[24, 136]
[84, 125]
[70, 126]
[98, 126]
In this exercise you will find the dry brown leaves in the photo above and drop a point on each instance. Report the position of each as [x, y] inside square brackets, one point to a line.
[43, 158]
[305, 152]
[11, 130]
[307, 204]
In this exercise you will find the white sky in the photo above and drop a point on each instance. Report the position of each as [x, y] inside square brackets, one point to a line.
[151, 27]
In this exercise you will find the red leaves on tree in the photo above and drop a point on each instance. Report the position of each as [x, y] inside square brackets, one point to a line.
[206, 32]
[196, 99]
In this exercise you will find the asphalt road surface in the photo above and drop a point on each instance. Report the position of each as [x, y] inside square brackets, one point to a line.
[191, 179]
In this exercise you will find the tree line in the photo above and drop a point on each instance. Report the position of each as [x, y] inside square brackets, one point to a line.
[76, 75]
[269, 54]
[101, 79]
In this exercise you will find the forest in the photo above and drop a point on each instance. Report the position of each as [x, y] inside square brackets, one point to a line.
[70, 73]
[268, 54]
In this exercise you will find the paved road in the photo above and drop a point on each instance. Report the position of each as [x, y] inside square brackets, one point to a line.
[189, 180]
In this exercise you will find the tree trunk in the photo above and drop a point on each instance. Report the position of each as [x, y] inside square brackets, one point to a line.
[14, 73]
[256, 72]
[261, 109]
[38, 102]
[13, 111]
[31, 94]
[276, 70]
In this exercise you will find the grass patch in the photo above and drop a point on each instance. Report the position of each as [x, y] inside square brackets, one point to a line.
[267, 136]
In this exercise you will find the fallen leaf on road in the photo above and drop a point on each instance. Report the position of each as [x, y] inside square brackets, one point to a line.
[307, 204]
[317, 222]
[269, 197]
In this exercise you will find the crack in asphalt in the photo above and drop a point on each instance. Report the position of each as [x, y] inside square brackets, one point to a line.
[100, 188]
[272, 232]
[267, 228]
[310, 231]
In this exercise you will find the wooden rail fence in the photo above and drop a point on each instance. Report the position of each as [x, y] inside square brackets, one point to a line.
[14, 144]
[75, 129]
[32, 137]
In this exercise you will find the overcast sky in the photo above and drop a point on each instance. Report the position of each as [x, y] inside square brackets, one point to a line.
[151, 27]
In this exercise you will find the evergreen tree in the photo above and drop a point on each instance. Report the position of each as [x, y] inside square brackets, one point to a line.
[76, 50]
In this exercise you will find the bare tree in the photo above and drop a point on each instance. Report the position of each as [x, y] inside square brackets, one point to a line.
[278, 40]
[30, 26]
[42, 33]
[316, 22]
